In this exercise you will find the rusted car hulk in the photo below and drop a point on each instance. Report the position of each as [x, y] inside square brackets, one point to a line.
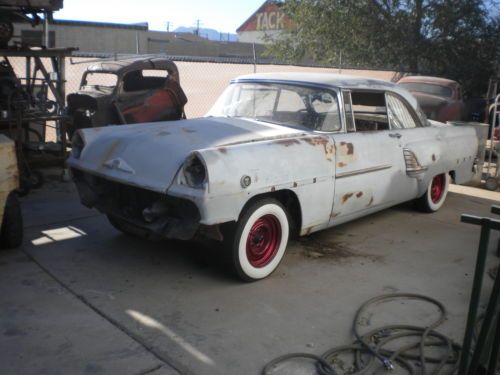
[440, 98]
[127, 92]
[277, 154]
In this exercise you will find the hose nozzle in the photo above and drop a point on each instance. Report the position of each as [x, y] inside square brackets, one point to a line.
[388, 365]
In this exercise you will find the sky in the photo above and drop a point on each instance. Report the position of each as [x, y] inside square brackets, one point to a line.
[222, 15]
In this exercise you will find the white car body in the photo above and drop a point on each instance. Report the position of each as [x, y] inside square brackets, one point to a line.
[323, 177]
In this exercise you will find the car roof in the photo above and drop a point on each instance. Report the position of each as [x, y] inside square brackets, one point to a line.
[431, 80]
[341, 81]
[121, 67]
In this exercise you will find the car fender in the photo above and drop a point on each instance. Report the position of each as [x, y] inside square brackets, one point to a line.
[304, 165]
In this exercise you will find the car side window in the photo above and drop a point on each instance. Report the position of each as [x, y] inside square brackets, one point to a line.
[326, 107]
[369, 111]
[399, 114]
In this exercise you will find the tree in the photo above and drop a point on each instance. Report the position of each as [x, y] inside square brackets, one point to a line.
[458, 39]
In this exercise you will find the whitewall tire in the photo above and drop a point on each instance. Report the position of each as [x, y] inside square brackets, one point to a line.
[259, 239]
[436, 193]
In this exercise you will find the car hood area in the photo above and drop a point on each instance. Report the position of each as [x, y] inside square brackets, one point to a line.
[150, 155]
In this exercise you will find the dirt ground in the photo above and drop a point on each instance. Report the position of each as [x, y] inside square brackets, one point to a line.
[81, 298]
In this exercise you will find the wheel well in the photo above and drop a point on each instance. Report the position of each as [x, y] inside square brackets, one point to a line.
[291, 203]
[452, 175]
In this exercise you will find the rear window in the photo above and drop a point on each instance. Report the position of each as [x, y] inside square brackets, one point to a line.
[427, 88]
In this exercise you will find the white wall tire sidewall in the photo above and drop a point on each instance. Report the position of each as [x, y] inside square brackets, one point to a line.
[436, 206]
[249, 270]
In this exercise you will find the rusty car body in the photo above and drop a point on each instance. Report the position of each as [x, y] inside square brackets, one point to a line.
[277, 154]
[126, 92]
[440, 98]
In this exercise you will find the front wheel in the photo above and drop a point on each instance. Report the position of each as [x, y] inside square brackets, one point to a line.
[435, 195]
[259, 239]
[11, 231]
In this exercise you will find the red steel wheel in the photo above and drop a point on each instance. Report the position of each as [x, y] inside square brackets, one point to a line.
[263, 241]
[436, 193]
[259, 239]
[437, 188]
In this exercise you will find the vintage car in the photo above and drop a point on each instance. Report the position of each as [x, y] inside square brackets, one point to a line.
[127, 91]
[440, 98]
[278, 154]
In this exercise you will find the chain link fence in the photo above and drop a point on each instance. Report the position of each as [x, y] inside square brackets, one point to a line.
[202, 79]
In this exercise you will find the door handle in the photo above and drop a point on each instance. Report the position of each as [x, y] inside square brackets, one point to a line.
[395, 135]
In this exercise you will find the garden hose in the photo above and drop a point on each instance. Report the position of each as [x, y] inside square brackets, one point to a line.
[369, 348]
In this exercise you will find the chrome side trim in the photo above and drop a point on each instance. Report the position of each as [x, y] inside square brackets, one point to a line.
[363, 171]
[413, 167]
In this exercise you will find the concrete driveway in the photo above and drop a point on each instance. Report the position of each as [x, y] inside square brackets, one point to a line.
[81, 298]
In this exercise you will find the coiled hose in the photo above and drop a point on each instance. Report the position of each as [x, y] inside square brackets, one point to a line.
[375, 358]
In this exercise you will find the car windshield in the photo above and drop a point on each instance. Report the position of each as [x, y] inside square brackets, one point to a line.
[428, 88]
[279, 103]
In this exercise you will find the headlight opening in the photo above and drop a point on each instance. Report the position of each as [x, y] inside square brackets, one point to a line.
[195, 171]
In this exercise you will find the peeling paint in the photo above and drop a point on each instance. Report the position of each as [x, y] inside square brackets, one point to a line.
[163, 132]
[335, 214]
[187, 130]
[346, 197]
[314, 180]
[433, 157]
[222, 150]
[286, 142]
[345, 154]
[349, 147]
[327, 145]
[308, 231]
[294, 184]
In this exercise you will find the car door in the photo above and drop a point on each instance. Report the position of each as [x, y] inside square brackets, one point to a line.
[370, 168]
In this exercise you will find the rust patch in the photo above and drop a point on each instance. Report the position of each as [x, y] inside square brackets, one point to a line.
[186, 130]
[273, 188]
[294, 184]
[349, 147]
[163, 132]
[327, 145]
[346, 197]
[433, 157]
[287, 142]
[334, 215]
[316, 141]
[359, 195]
[370, 202]
[345, 154]
[222, 150]
[308, 231]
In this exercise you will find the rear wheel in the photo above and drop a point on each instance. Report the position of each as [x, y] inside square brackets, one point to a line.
[435, 194]
[259, 239]
[11, 233]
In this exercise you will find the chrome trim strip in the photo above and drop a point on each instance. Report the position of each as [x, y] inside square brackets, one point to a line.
[363, 171]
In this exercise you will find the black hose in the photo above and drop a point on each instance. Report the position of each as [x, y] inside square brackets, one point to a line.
[367, 354]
